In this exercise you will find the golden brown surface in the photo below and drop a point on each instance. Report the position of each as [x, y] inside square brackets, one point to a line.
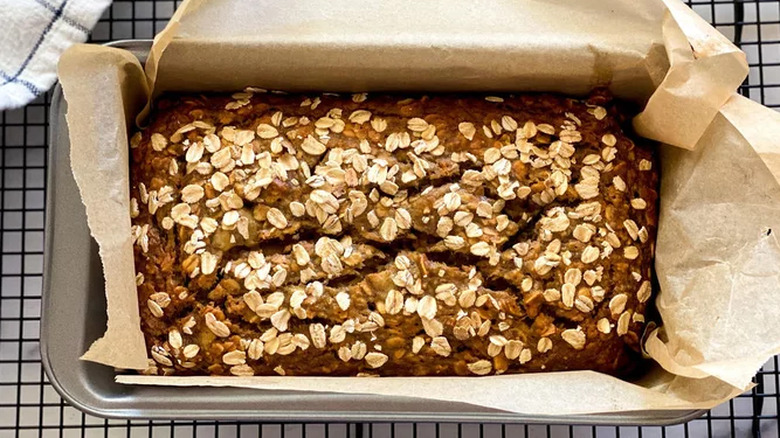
[383, 235]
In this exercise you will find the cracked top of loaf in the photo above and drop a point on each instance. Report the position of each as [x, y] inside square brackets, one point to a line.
[391, 235]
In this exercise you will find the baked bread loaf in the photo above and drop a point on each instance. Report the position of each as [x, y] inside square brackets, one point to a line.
[384, 235]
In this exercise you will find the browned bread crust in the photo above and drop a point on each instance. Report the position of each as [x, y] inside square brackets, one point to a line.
[384, 235]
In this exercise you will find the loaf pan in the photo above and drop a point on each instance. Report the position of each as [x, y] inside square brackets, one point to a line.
[73, 316]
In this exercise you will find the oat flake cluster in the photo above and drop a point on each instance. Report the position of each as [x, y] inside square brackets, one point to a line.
[383, 235]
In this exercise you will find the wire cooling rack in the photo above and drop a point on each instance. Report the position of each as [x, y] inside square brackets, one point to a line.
[29, 406]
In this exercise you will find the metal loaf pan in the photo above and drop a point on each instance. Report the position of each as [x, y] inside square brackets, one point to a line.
[73, 317]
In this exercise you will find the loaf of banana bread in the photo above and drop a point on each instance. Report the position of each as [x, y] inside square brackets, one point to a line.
[435, 235]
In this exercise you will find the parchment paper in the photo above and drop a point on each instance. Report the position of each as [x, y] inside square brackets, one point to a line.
[718, 260]
[115, 82]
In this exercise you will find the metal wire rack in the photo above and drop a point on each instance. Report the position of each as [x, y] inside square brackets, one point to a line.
[29, 406]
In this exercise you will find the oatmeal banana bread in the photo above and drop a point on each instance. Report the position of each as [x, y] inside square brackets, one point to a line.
[384, 235]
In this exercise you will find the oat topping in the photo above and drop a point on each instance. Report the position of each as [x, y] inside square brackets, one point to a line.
[480, 367]
[375, 235]
[375, 359]
[575, 338]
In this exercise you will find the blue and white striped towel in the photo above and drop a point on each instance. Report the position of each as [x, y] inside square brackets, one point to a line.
[33, 35]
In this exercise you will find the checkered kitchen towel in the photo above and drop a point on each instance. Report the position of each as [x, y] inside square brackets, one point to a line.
[33, 35]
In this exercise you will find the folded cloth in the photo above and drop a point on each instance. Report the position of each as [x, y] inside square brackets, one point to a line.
[33, 35]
